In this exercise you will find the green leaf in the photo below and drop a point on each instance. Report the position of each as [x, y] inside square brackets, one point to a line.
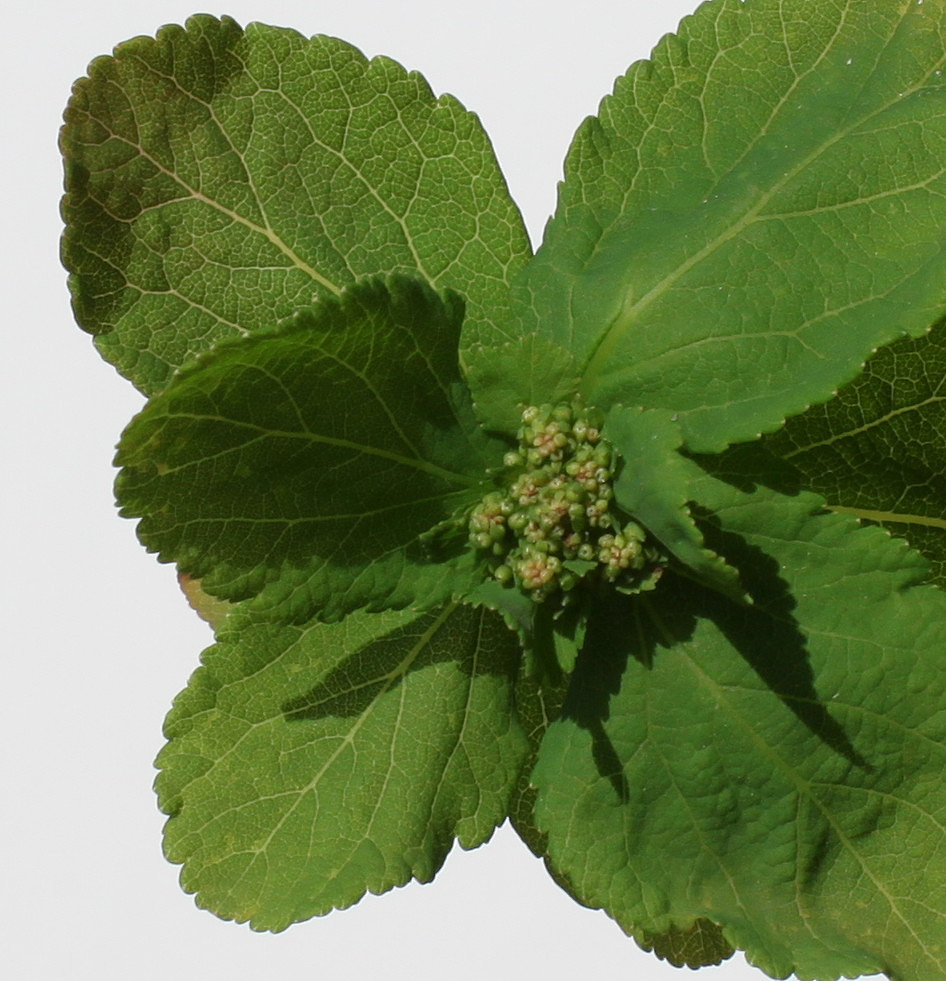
[751, 213]
[537, 706]
[775, 769]
[308, 765]
[876, 450]
[218, 180]
[310, 459]
[653, 486]
[507, 376]
[699, 946]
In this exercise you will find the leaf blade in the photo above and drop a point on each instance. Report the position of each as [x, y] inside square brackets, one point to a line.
[875, 450]
[210, 166]
[652, 486]
[296, 466]
[773, 768]
[390, 735]
[718, 214]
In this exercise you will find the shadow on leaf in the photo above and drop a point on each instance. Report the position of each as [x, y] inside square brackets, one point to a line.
[768, 636]
[618, 630]
[474, 640]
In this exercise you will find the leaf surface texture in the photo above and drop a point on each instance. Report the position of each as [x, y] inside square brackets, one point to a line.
[294, 465]
[220, 179]
[776, 769]
[751, 213]
[309, 765]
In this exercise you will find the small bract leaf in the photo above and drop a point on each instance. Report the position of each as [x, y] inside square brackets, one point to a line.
[219, 179]
[751, 213]
[653, 485]
[310, 765]
[311, 458]
[506, 377]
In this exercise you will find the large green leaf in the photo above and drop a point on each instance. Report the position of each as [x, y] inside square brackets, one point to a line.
[877, 449]
[219, 179]
[775, 769]
[751, 213]
[538, 707]
[310, 459]
[308, 765]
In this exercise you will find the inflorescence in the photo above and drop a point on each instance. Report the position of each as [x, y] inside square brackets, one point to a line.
[551, 525]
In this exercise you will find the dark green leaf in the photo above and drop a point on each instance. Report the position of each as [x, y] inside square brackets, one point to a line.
[310, 459]
[308, 765]
[751, 213]
[218, 180]
[701, 945]
[877, 449]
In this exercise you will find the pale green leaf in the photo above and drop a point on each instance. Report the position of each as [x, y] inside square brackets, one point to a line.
[506, 376]
[309, 765]
[218, 180]
[653, 486]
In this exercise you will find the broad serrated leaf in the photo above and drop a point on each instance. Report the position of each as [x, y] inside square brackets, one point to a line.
[653, 486]
[219, 180]
[309, 765]
[775, 769]
[752, 211]
[877, 449]
[306, 462]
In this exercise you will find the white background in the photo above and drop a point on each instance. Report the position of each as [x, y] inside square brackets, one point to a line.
[97, 638]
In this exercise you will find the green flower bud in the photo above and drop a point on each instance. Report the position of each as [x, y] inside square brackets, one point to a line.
[555, 507]
[529, 414]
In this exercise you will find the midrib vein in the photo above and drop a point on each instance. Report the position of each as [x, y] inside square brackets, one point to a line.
[264, 230]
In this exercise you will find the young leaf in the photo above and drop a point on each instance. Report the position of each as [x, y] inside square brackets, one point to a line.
[505, 376]
[311, 458]
[653, 486]
[218, 180]
[876, 450]
[308, 765]
[775, 769]
[752, 212]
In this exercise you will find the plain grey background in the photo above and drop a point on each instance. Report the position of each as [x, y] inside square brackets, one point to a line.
[97, 639]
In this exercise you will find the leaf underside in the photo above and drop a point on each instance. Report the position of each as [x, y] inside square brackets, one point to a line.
[309, 765]
[218, 180]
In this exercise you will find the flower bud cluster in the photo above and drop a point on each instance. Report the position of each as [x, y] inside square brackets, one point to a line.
[551, 524]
